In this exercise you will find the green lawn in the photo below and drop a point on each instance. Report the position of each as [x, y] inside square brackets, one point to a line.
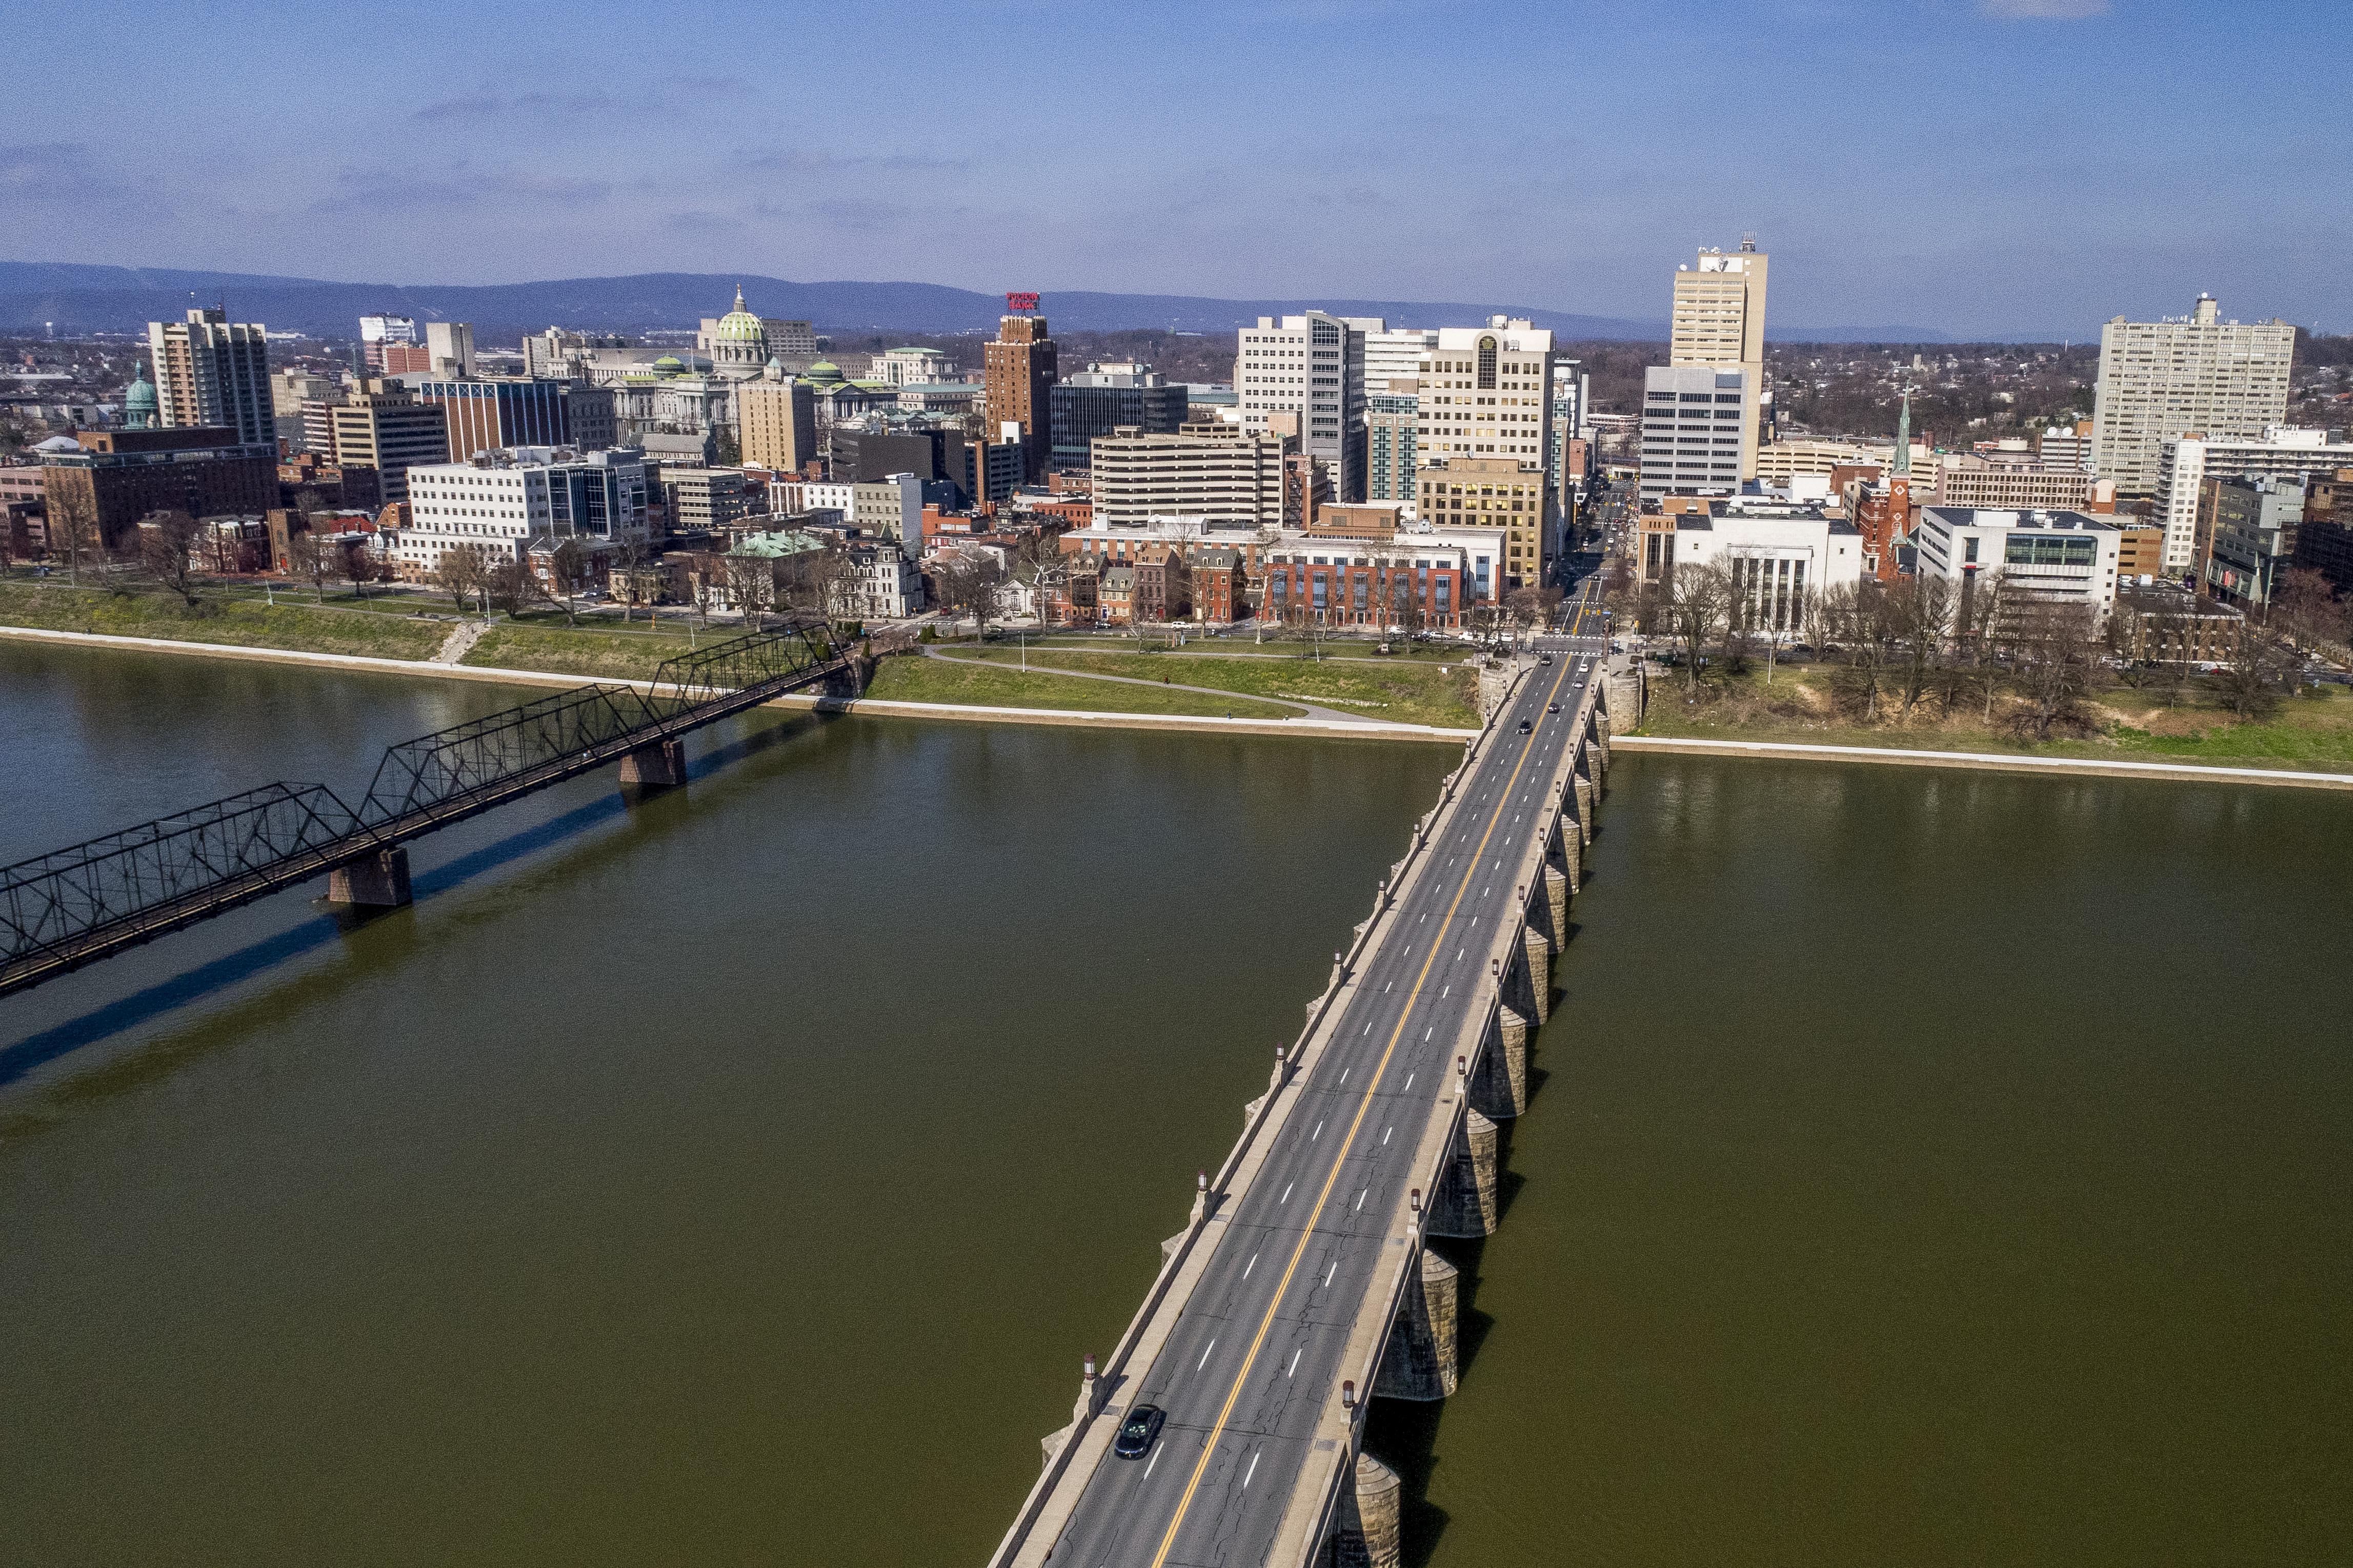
[2309, 733]
[1406, 692]
[52, 604]
[601, 653]
[913, 679]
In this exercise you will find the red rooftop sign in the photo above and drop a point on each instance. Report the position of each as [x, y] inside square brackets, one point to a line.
[1021, 301]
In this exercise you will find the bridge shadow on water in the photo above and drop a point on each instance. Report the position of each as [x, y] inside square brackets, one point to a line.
[258, 958]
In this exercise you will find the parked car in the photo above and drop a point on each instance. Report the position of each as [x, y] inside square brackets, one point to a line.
[1136, 1433]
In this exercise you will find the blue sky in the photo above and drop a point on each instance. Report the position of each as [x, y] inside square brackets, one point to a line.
[1996, 166]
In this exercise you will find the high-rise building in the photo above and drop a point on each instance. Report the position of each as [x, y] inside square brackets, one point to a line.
[450, 347]
[1695, 434]
[1311, 367]
[1719, 320]
[1504, 494]
[2197, 372]
[1101, 398]
[500, 503]
[1572, 391]
[1018, 379]
[381, 424]
[289, 391]
[1486, 392]
[213, 374]
[1394, 355]
[377, 331]
[775, 420]
[1391, 449]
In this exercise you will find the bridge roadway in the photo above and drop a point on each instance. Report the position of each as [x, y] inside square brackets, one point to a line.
[1251, 1370]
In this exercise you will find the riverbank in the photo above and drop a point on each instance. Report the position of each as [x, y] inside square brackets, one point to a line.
[2186, 727]
[1904, 757]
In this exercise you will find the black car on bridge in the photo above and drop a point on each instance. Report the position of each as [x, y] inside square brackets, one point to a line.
[1136, 1433]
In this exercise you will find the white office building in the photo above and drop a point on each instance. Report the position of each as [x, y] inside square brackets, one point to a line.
[495, 505]
[1696, 432]
[2067, 556]
[1719, 320]
[2190, 461]
[2184, 375]
[1308, 373]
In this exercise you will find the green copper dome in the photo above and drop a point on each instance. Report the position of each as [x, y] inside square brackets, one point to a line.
[139, 407]
[740, 326]
[669, 364]
[825, 373]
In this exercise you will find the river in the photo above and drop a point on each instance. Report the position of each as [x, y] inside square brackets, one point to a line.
[1928, 1167]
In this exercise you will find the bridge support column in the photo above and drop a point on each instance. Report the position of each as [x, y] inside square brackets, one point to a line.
[1512, 1028]
[1466, 1199]
[1494, 1094]
[1539, 953]
[660, 765]
[1419, 1362]
[1566, 850]
[1371, 1531]
[1585, 794]
[1557, 898]
[1601, 734]
[377, 881]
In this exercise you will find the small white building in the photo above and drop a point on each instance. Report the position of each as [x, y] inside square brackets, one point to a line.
[885, 585]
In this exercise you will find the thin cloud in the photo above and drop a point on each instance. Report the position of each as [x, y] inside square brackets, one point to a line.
[2043, 10]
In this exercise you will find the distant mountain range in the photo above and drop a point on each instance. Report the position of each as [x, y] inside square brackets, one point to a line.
[83, 299]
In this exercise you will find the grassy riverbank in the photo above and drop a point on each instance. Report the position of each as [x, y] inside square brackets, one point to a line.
[2311, 734]
[50, 604]
[1405, 692]
[909, 678]
[591, 652]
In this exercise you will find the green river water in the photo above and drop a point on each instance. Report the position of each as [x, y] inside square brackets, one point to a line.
[1924, 1168]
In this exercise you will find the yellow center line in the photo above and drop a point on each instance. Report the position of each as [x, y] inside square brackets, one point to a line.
[1210, 1447]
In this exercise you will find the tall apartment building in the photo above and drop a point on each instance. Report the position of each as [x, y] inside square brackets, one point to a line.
[381, 424]
[2159, 380]
[1391, 442]
[1719, 320]
[1220, 477]
[2188, 461]
[289, 391]
[1101, 398]
[213, 374]
[1696, 431]
[1311, 367]
[1019, 369]
[2066, 448]
[776, 421]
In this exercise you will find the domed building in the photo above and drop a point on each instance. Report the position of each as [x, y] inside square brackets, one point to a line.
[140, 411]
[737, 343]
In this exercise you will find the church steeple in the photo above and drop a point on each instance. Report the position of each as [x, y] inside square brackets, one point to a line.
[1903, 467]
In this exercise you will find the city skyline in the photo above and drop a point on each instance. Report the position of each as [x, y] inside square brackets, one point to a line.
[1879, 152]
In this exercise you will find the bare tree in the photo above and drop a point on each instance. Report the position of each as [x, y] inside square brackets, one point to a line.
[2058, 659]
[567, 565]
[512, 585]
[1920, 613]
[752, 586]
[2308, 609]
[459, 575]
[967, 586]
[1038, 566]
[2251, 680]
[312, 558]
[627, 557]
[359, 567]
[167, 547]
[1701, 597]
[72, 528]
[812, 580]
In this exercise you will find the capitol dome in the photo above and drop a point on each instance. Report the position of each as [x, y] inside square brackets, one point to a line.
[825, 373]
[669, 364]
[737, 341]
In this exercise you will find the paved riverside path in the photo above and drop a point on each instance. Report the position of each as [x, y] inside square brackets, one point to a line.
[1327, 715]
[1252, 1366]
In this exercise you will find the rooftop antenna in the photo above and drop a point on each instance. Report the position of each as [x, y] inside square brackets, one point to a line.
[1748, 239]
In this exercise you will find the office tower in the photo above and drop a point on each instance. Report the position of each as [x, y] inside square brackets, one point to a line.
[1394, 355]
[1312, 368]
[2159, 380]
[289, 390]
[1496, 503]
[377, 331]
[381, 424]
[1101, 398]
[1565, 446]
[213, 374]
[486, 415]
[2189, 461]
[451, 346]
[1486, 394]
[1020, 370]
[1694, 431]
[1719, 320]
[776, 419]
